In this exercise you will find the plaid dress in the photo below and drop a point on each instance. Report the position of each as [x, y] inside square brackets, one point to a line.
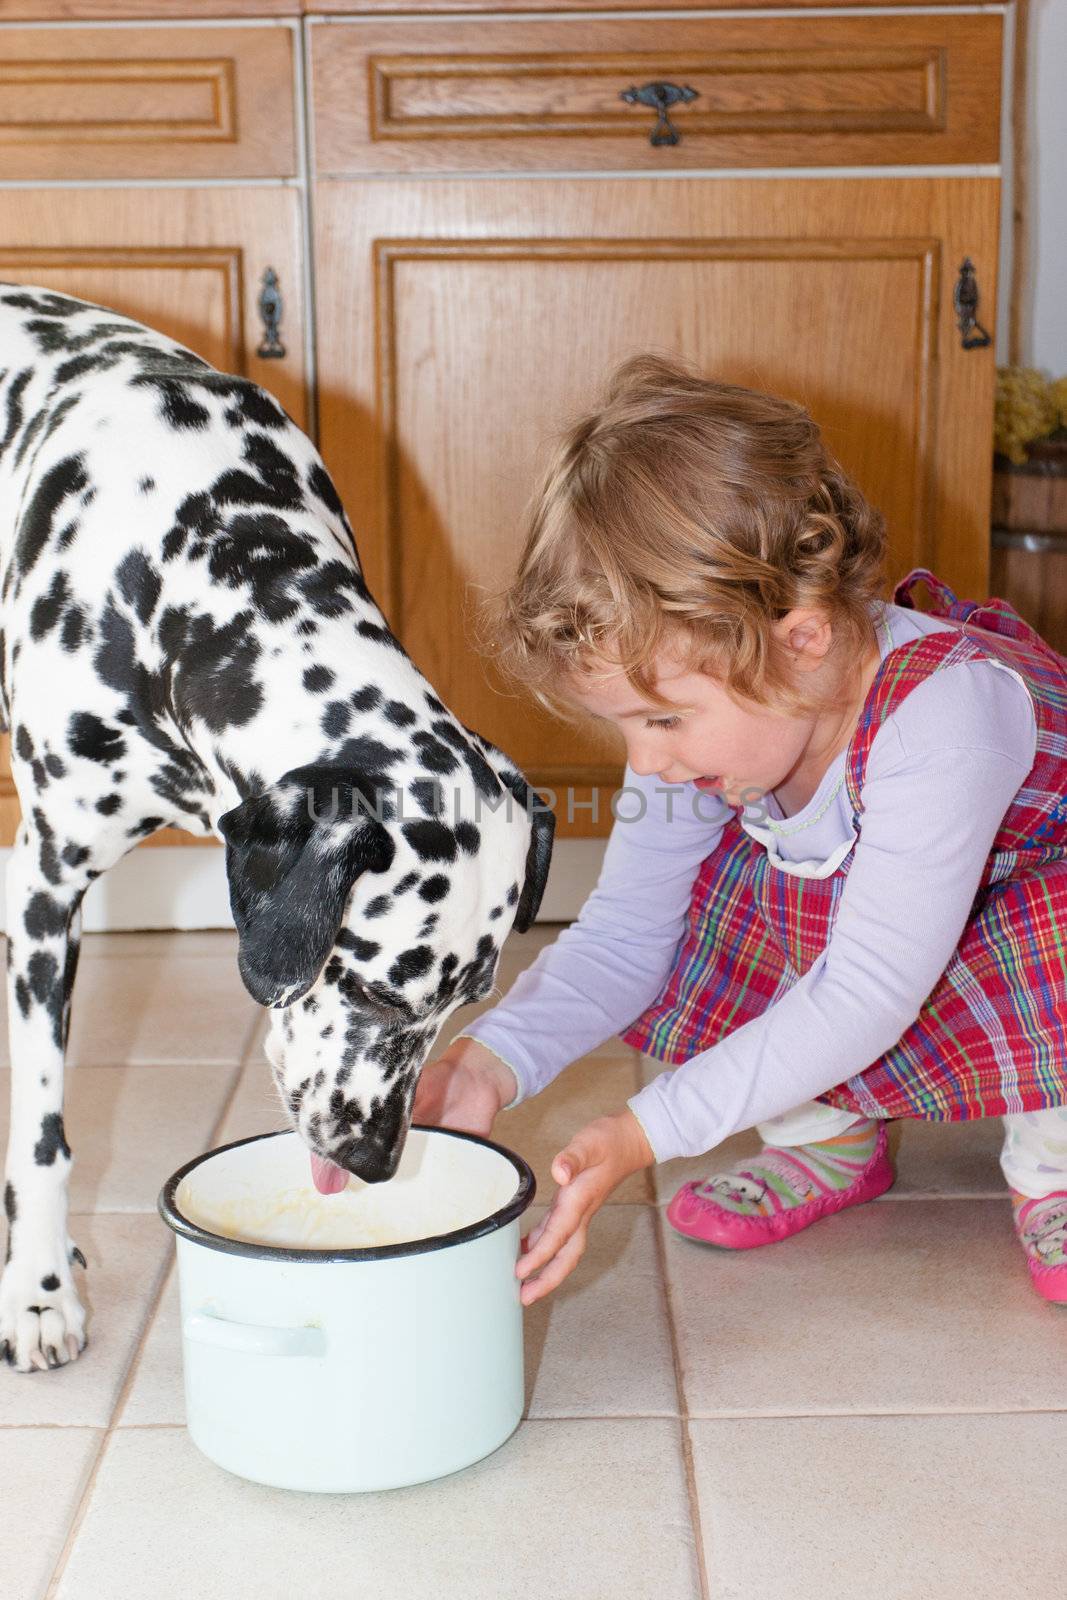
[991, 1037]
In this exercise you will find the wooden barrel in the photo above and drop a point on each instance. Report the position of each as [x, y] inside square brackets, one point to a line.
[1029, 537]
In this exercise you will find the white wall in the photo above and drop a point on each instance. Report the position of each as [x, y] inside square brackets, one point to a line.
[1044, 321]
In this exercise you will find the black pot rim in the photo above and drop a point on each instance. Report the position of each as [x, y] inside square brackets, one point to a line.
[194, 1231]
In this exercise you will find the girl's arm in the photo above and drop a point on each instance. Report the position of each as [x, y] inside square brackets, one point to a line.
[941, 773]
[603, 970]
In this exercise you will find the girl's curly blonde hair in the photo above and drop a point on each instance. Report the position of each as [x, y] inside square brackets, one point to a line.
[689, 513]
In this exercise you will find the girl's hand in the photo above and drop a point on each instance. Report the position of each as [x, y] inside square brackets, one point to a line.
[595, 1162]
[464, 1088]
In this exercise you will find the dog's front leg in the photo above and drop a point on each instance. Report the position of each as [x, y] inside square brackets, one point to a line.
[42, 1323]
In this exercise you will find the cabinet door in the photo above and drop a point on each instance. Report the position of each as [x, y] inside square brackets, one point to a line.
[186, 261]
[461, 322]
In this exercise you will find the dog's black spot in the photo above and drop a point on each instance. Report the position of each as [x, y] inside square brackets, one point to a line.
[42, 971]
[321, 484]
[429, 925]
[431, 840]
[44, 916]
[212, 666]
[47, 608]
[11, 1209]
[52, 1141]
[497, 911]
[75, 854]
[362, 949]
[427, 794]
[328, 587]
[139, 584]
[109, 805]
[378, 906]
[433, 702]
[512, 894]
[50, 1283]
[37, 521]
[23, 743]
[179, 409]
[434, 756]
[73, 628]
[146, 826]
[335, 719]
[434, 888]
[15, 391]
[485, 779]
[408, 881]
[318, 679]
[22, 996]
[87, 736]
[467, 837]
[367, 698]
[400, 715]
[146, 485]
[380, 634]
[54, 766]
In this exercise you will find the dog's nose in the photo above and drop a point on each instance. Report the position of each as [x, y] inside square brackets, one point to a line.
[368, 1161]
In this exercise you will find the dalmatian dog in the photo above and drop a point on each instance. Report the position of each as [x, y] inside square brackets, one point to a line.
[187, 640]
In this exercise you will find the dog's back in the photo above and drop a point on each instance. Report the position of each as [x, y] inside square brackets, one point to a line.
[124, 455]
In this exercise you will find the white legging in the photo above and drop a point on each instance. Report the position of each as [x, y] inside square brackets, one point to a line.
[1033, 1157]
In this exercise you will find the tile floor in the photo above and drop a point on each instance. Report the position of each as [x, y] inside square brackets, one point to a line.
[878, 1406]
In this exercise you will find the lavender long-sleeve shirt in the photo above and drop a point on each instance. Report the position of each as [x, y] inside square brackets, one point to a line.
[941, 772]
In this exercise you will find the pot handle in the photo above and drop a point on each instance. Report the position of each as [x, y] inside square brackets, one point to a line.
[253, 1338]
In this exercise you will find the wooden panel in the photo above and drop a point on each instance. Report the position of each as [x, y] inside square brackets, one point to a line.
[461, 324]
[430, 8]
[464, 96]
[146, 103]
[112, 10]
[186, 261]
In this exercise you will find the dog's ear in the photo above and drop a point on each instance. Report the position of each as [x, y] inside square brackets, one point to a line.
[293, 854]
[539, 854]
[542, 830]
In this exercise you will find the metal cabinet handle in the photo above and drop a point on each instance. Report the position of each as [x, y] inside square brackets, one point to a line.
[660, 96]
[270, 310]
[965, 299]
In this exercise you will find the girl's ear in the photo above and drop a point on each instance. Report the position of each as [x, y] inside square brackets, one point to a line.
[293, 855]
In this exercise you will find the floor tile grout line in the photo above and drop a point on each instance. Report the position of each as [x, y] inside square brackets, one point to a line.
[927, 1415]
[82, 1507]
[866, 1413]
[683, 1405]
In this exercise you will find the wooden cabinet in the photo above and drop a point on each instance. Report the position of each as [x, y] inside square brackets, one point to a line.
[792, 91]
[467, 319]
[497, 220]
[185, 260]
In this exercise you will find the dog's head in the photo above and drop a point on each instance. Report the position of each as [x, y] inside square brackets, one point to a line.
[366, 917]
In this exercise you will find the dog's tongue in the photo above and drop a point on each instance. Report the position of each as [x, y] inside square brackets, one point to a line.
[327, 1176]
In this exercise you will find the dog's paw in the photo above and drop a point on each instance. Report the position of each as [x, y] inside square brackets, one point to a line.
[42, 1321]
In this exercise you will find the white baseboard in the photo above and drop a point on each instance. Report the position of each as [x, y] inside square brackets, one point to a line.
[186, 888]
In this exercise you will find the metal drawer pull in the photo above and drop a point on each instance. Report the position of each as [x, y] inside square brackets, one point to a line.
[270, 309]
[659, 96]
[965, 300]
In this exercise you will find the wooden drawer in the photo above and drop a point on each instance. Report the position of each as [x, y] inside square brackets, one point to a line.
[440, 94]
[146, 102]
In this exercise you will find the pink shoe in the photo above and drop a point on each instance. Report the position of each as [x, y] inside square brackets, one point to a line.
[699, 1217]
[1042, 1229]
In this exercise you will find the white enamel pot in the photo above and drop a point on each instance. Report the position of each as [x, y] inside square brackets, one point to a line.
[313, 1366]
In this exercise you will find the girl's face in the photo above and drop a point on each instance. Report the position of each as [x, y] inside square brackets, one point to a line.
[706, 739]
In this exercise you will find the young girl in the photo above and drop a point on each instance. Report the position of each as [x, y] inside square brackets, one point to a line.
[835, 892]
